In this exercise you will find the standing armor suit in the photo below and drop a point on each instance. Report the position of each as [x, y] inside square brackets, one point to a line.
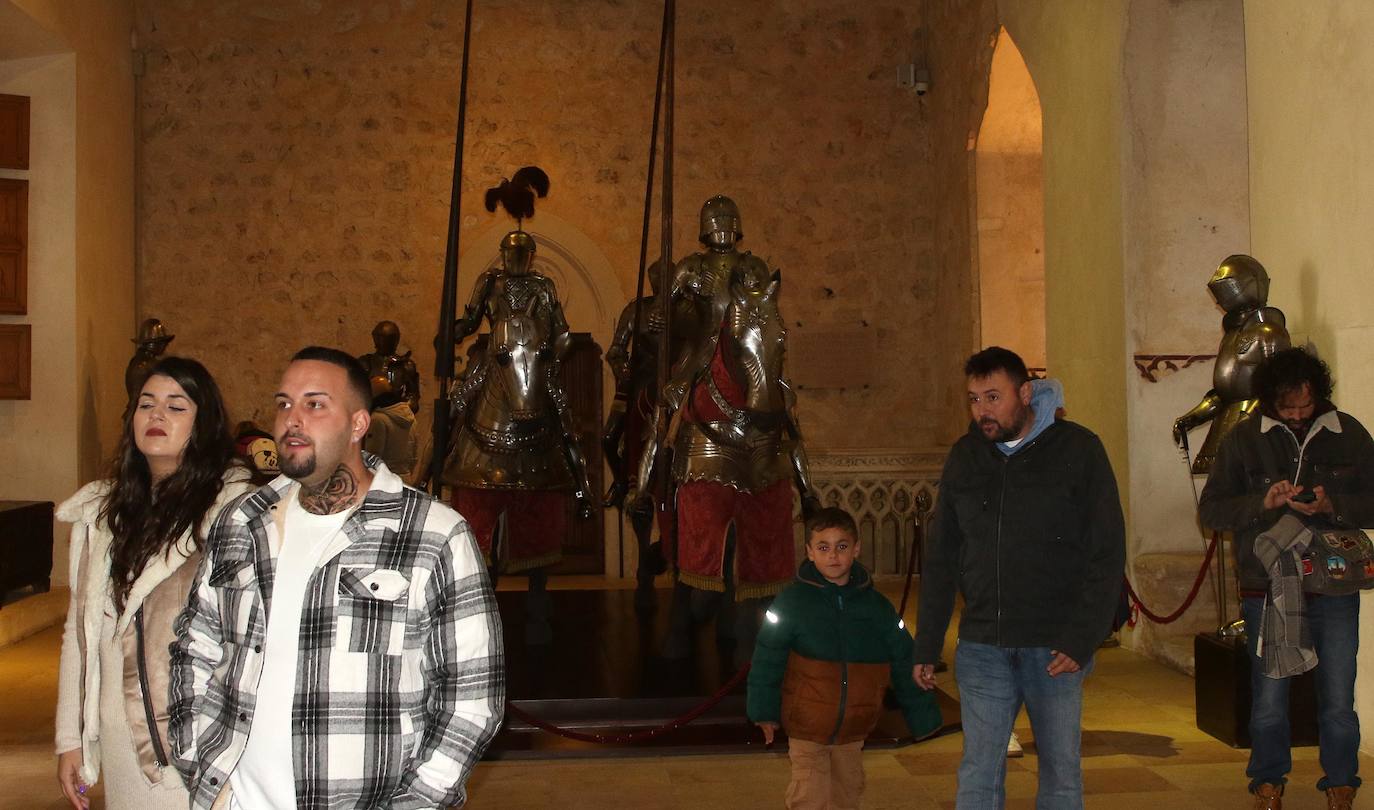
[1253, 332]
[633, 360]
[514, 450]
[398, 370]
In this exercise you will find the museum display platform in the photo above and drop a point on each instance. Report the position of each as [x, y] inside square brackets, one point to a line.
[602, 675]
[1222, 694]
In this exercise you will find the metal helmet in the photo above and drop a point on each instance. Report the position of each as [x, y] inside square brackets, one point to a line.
[720, 215]
[517, 252]
[152, 331]
[386, 337]
[1239, 283]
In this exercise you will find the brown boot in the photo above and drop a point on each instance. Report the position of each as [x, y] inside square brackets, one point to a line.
[1339, 798]
[1269, 797]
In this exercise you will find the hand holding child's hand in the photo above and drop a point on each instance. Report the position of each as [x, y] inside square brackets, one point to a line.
[768, 730]
[924, 676]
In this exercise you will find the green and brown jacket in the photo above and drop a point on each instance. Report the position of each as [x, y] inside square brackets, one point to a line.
[825, 654]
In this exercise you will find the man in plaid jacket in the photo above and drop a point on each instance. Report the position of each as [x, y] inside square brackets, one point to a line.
[341, 646]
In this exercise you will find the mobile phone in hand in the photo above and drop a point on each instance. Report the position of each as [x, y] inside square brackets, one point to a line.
[1306, 496]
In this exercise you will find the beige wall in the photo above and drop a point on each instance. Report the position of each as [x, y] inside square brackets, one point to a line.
[298, 166]
[38, 436]
[1310, 74]
[97, 32]
[1074, 51]
[85, 309]
[1187, 208]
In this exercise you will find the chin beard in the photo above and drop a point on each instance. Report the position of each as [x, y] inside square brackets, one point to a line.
[1006, 433]
[298, 469]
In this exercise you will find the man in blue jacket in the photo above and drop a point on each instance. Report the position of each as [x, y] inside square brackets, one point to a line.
[1029, 529]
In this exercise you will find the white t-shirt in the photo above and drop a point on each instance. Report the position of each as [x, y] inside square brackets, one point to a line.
[265, 778]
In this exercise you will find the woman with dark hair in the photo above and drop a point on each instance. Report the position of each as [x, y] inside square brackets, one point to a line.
[135, 547]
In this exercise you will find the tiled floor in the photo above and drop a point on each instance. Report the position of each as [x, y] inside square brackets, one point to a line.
[1140, 746]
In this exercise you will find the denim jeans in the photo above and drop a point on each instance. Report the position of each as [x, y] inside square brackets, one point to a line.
[1335, 625]
[993, 684]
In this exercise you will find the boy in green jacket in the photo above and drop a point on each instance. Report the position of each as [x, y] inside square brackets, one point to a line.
[829, 646]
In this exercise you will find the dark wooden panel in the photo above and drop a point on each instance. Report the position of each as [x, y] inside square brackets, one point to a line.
[15, 345]
[584, 547]
[14, 132]
[25, 545]
[14, 237]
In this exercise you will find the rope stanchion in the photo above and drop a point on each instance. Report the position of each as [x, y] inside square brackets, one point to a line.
[632, 736]
[1187, 601]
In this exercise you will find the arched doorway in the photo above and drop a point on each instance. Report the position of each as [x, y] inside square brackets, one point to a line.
[1010, 210]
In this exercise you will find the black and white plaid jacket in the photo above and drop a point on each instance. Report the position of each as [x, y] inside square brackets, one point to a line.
[400, 678]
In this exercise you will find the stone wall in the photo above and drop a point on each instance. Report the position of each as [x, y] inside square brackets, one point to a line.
[297, 157]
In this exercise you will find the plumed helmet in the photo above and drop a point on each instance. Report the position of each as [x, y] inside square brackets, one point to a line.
[720, 215]
[1239, 283]
[152, 331]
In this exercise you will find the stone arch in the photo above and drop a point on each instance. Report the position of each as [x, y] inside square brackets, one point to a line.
[1010, 208]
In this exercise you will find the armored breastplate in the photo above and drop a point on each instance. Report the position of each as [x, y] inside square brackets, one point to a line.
[1243, 348]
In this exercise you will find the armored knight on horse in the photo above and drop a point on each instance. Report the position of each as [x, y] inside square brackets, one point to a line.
[514, 450]
[737, 448]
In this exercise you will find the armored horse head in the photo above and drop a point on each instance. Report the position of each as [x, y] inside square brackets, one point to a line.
[753, 342]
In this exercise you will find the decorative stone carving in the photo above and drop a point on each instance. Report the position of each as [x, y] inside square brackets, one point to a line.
[889, 492]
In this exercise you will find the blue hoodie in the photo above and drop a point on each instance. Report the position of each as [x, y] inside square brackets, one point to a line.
[1047, 397]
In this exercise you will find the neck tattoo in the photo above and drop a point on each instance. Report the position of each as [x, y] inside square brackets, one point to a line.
[333, 496]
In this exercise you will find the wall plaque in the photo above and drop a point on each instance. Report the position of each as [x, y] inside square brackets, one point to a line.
[15, 344]
[14, 237]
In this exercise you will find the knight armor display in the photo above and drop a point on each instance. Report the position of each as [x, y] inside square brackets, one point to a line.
[402, 378]
[636, 373]
[737, 448]
[706, 285]
[513, 429]
[1253, 332]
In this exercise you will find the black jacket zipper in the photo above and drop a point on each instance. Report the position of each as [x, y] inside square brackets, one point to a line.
[158, 751]
[1001, 506]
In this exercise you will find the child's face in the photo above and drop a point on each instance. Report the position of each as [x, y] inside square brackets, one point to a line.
[833, 552]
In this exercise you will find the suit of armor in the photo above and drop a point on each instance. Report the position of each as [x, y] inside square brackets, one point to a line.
[1253, 332]
[513, 429]
[397, 370]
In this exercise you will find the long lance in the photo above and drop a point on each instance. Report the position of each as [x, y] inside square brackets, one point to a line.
[630, 393]
[649, 193]
[666, 250]
[444, 348]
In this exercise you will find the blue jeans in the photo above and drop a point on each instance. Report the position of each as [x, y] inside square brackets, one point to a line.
[993, 684]
[1335, 625]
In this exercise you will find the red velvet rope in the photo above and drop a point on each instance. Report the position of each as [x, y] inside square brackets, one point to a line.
[1187, 602]
[632, 736]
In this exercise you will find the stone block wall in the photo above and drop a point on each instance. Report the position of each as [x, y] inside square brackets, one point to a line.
[296, 159]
